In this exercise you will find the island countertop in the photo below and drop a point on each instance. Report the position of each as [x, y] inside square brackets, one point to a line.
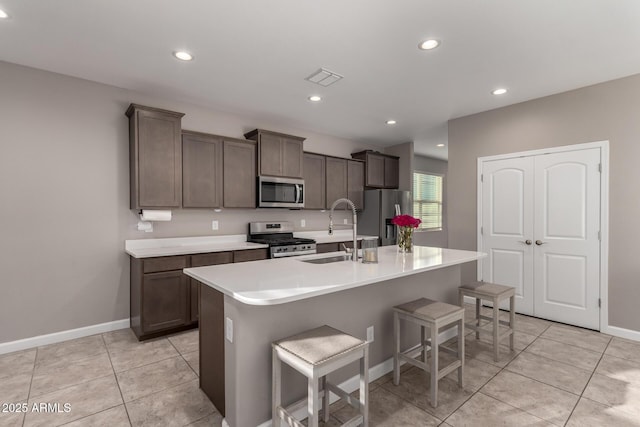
[283, 280]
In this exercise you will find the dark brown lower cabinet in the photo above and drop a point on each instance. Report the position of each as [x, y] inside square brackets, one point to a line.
[165, 301]
[212, 346]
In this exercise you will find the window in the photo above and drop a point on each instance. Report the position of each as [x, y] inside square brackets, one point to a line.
[427, 200]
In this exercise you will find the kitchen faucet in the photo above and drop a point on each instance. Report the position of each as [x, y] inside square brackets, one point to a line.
[354, 254]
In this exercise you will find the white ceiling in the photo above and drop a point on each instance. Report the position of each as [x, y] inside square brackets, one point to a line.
[251, 56]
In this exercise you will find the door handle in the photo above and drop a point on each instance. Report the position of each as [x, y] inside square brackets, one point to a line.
[540, 242]
[526, 242]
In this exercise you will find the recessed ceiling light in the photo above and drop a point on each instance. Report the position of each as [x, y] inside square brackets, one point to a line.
[3, 14]
[440, 145]
[500, 91]
[391, 122]
[315, 98]
[429, 44]
[183, 56]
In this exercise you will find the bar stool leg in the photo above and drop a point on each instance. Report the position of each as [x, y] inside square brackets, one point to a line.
[312, 402]
[396, 337]
[512, 319]
[325, 399]
[434, 365]
[478, 301]
[461, 352]
[276, 396]
[496, 322]
[364, 388]
[423, 332]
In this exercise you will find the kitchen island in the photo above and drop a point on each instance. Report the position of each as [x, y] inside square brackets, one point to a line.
[244, 308]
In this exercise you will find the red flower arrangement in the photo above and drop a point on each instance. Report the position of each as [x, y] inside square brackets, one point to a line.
[406, 221]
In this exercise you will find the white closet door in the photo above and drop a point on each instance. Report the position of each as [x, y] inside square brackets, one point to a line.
[507, 223]
[566, 242]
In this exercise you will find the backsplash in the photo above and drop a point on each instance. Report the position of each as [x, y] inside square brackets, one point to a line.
[197, 222]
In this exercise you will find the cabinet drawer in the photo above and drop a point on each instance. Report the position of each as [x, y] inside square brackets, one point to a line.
[323, 248]
[250, 255]
[215, 258]
[167, 263]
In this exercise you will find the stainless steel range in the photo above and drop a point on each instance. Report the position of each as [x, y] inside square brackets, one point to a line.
[279, 236]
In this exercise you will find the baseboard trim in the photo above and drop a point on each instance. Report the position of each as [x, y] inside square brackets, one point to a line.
[353, 383]
[56, 337]
[629, 334]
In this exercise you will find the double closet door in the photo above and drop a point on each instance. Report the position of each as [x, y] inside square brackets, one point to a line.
[540, 218]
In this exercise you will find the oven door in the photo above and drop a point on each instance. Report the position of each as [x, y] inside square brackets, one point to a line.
[275, 192]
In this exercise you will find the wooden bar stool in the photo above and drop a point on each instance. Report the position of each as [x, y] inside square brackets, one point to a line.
[494, 293]
[315, 354]
[431, 316]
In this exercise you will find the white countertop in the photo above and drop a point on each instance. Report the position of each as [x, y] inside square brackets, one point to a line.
[148, 248]
[277, 281]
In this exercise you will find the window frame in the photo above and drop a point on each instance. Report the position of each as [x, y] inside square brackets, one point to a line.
[441, 202]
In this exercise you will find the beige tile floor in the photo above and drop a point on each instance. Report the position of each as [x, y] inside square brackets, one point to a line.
[557, 375]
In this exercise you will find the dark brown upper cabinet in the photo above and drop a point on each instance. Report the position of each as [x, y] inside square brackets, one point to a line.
[381, 170]
[278, 154]
[336, 179]
[155, 155]
[202, 170]
[239, 181]
[355, 183]
[314, 181]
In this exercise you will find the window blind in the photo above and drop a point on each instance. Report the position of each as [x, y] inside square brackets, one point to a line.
[427, 200]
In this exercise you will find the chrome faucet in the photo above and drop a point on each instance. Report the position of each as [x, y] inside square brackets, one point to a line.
[354, 253]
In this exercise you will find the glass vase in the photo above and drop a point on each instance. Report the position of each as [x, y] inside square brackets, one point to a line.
[405, 237]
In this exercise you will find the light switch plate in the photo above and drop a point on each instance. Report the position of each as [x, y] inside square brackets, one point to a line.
[228, 333]
[214, 225]
[370, 334]
[344, 221]
[303, 223]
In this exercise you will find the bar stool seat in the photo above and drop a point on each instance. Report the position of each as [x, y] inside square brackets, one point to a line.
[316, 353]
[432, 316]
[494, 293]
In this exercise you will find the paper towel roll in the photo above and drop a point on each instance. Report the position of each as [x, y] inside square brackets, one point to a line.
[152, 215]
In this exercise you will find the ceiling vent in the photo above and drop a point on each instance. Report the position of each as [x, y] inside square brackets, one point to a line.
[324, 77]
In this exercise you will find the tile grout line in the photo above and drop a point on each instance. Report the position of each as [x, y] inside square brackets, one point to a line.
[185, 360]
[587, 384]
[116, 378]
[33, 373]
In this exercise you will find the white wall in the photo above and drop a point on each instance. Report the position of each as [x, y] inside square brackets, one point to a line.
[65, 189]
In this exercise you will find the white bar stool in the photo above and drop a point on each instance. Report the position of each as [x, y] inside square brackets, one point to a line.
[431, 316]
[316, 353]
[494, 293]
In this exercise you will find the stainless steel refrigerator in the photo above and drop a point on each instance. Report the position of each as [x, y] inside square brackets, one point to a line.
[379, 210]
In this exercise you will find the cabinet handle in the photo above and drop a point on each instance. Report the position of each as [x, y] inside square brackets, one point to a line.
[540, 242]
[526, 242]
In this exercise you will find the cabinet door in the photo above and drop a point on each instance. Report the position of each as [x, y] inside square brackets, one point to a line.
[391, 172]
[292, 163]
[270, 155]
[165, 301]
[157, 164]
[314, 181]
[375, 171]
[336, 179]
[355, 183]
[239, 174]
[201, 171]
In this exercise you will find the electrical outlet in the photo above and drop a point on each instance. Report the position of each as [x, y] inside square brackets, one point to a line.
[214, 225]
[370, 334]
[303, 223]
[229, 329]
[344, 221]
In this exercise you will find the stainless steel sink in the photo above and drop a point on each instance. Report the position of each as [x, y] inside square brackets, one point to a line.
[327, 260]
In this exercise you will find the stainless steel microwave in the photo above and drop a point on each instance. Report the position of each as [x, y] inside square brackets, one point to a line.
[276, 192]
